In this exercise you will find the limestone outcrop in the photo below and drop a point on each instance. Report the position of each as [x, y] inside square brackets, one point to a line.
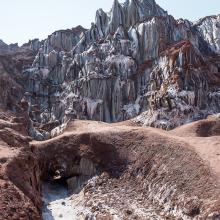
[134, 62]
[136, 59]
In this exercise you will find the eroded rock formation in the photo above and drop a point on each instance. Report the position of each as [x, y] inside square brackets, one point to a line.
[121, 171]
[135, 59]
[135, 62]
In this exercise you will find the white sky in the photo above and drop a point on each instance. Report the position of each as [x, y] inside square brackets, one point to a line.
[21, 20]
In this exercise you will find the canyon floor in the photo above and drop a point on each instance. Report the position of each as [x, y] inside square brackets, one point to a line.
[96, 170]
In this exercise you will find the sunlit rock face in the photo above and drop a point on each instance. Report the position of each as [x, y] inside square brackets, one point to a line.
[210, 30]
[182, 87]
[134, 60]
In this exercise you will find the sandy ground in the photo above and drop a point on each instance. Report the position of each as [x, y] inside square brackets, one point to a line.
[208, 148]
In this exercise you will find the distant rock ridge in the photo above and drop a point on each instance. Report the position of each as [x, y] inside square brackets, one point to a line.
[135, 60]
[4, 48]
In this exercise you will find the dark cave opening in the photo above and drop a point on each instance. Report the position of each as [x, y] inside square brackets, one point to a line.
[62, 182]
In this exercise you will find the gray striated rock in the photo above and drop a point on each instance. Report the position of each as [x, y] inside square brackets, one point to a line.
[209, 27]
[35, 44]
[134, 60]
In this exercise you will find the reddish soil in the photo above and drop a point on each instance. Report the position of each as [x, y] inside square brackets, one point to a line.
[17, 201]
[177, 172]
[204, 138]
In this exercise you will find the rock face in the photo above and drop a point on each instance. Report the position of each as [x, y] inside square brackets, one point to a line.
[183, 87]
[134, 61]
[210, 29]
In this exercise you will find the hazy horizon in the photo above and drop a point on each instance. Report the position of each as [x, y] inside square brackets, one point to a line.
[37, 19]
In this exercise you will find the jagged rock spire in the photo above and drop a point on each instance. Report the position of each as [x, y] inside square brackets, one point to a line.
[101, 21]
[127, 14]
[117, 17]
[121, 67]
